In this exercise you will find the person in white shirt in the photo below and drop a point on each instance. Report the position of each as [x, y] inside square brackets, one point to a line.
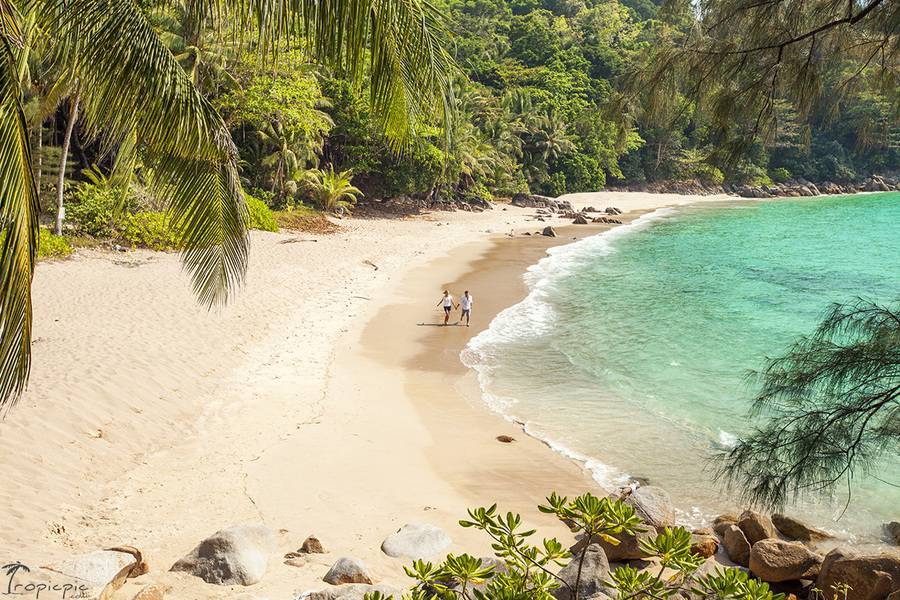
[466, 303]
[447, 301]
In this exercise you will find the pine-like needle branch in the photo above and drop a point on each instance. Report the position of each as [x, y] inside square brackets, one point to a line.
[830, 409]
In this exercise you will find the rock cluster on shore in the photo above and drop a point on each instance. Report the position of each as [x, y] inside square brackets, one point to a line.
[779, 549]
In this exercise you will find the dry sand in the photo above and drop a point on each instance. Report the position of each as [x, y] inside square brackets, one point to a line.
[320, 401]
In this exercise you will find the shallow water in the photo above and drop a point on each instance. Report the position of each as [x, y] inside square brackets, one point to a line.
[632, 350]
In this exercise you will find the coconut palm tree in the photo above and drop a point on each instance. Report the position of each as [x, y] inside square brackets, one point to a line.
[133, 89]
[333, 189]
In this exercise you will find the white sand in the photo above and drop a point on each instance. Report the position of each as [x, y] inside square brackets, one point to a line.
[150, 422]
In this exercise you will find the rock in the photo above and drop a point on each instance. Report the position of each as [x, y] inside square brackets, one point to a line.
[94, 568]
[580, 220]
[237, 555]
[704, 545]
[312, 545]
[797, 530]
[154, 591]
[653, 506]
[548, 231]
[775, 560]
[870, 577]
[612, 210]
[506, 439]
[416, 540]
[347, 570]
[893, 531]
[353, 591]
[594, 571]
[628, 548]
[721, 523]
[736, 545]
[756, 526]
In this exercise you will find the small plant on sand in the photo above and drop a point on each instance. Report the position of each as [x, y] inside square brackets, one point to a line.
[523, 570]
[332, 189]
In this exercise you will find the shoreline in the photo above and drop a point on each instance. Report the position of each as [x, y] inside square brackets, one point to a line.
[320, 406]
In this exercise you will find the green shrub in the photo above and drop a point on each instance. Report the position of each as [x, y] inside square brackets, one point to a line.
[780, 174]
[527, 569]
[149, 230]
[51, 245]
[91, 209]
[261, 216]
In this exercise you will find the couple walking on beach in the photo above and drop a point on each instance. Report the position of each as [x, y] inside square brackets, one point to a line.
[465, 302]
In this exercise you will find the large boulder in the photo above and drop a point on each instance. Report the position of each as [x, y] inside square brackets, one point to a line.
[416, 540]
[594, 571]
[548, 232]
[736, 545]
[347, 570]
[756, 526]
[580, 219]
[775, 561]
[653, 506]
[353, 591]
[796, 529]
[237, 555]
[870, 577]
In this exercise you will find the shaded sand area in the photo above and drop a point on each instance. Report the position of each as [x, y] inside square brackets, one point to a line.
[322, 400]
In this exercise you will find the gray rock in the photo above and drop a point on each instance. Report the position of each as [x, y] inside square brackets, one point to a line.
[870, 577]
[893, 531]
[548, 231]
[580, 219]
[94, 568]
[353, 591]
[736, 545]
[416, 540]
[594, 571]
[756, 526]
[653, 506]
[347, 570]
[796, 529]
[775, 561]
[237, 555]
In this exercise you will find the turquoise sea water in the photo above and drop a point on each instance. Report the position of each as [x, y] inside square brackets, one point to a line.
[632, 350]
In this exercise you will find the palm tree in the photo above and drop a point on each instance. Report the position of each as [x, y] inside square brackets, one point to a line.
[133, 88]
[334, 190]
[11, 569]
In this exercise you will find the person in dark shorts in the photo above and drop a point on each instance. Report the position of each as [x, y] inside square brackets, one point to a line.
[466, 303]
[447, 302]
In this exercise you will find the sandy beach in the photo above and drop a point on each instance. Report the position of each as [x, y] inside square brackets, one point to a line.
[325, 399]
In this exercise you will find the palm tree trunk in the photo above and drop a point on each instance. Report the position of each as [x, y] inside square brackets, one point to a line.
[40, 157]
[60, 209]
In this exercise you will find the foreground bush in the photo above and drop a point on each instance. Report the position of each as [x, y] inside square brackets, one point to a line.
[92, 209]
[528, 571]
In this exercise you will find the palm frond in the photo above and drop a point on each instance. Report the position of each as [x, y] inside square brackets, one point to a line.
[132, 83]
[19, 222]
